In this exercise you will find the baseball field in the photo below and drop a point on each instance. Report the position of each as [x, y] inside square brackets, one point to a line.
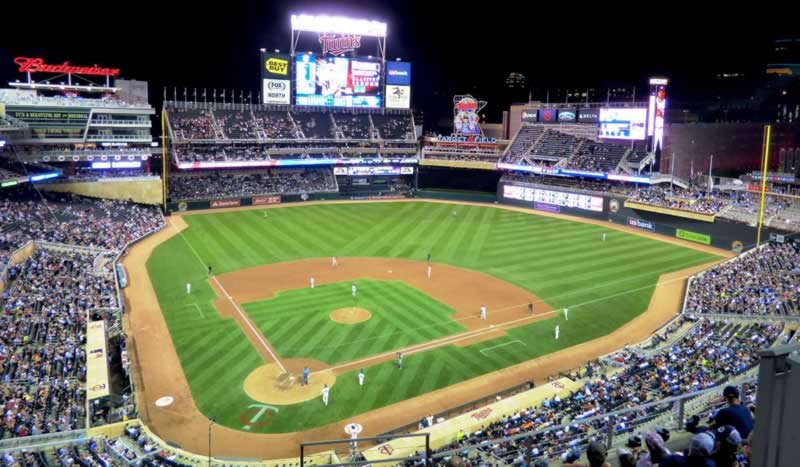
[244, 335]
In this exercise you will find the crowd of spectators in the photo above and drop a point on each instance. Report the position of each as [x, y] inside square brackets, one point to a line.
[355, 126]
[680, 199]
[192, 124]
[274, 124]
[46, 299]
[597, 157]
[765, 281]
[208, 185]
[710, 354]
[391, 126]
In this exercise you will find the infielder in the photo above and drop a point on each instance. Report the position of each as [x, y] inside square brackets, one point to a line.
[557, 329]
[311, 281]
[188, 288]
[566, 314]
[483, 312]
[209, 270]
[325, 394]
[530, 308]
[429, 258]
[361, 377]
[400, 360]
[354, 290]
[430, 270]
[333, 262]
[306, 372]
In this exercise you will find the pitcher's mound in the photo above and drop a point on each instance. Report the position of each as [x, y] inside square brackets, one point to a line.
[270, 385]
[350, 315]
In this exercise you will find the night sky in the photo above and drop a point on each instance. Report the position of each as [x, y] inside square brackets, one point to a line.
[455, 47]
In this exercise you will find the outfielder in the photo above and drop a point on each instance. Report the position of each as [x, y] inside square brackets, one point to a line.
[604, 237]
[361, 377]
[325, 394]
[483, 312]
[354, 290]
[188, 288]
[209, 270]
[400, 360]
[311, 281]
[333, 262]
[566, 314]
[557, 329]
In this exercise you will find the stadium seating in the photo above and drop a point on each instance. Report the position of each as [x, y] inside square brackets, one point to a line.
[47, 297]
[315, 125]
[206, 185]
[522, 143]
[356, 126]
[394, 126]
[598, 157]
[192, 124]
[759, 282]
[680, 199]
[275, 124]
[237, 124]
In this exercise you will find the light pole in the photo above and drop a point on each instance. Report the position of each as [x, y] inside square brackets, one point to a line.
[210, 424]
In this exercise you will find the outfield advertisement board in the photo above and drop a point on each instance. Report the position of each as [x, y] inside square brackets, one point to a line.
[641, 224]
[693, 236]
[553, 199]
[266, 200]
[225, 203]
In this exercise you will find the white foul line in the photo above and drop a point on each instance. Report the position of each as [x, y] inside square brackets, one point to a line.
[227, 295]
[501, 345]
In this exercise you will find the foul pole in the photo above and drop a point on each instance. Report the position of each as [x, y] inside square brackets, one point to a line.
[764, 168]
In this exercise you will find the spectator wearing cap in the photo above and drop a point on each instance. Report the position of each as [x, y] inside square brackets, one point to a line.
[656, 450]
[697, 455]
[626, 458]
[596, 454]
[571, 458]
[735, 414]
[726, 447]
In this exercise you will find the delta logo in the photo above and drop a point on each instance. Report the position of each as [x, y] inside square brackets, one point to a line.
[277, 66]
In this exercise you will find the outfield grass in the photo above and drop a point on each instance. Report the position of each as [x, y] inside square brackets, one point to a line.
[605, 284]
[298, 321]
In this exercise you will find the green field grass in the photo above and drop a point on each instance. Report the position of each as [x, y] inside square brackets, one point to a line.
[605, 284]
[298, 323]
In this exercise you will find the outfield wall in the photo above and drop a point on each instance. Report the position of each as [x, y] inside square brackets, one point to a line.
[720, 233]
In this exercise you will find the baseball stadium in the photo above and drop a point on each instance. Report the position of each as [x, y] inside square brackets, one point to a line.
[299, 275]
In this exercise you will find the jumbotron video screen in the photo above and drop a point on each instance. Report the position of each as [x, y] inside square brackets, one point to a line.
[338, 81]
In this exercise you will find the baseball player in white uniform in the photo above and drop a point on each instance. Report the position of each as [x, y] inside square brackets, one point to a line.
[566, 314]
[354, 289]
[325, 394]
[430, 270]
[333, 262]
[188, 288]
[604, 237]
[557, 329]
[361, 377]
[312, 281]
[483, 312]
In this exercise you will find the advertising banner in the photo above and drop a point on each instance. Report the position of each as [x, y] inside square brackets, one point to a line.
[398, 97]
[226, 203]
[276, 91]
[266, 200]
[96, 361]
[530, 116]
[693, 236]
[548, 115]
[641, 224]
[588, 115]
[398, 73]
[567, 115]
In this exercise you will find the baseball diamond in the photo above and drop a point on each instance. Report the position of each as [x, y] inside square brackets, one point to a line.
[258, 308]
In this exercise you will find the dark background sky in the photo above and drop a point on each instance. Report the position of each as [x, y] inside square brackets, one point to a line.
[455, 47]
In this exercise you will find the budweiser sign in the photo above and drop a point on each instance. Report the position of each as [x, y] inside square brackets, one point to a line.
[37, 65]
[338, 45]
